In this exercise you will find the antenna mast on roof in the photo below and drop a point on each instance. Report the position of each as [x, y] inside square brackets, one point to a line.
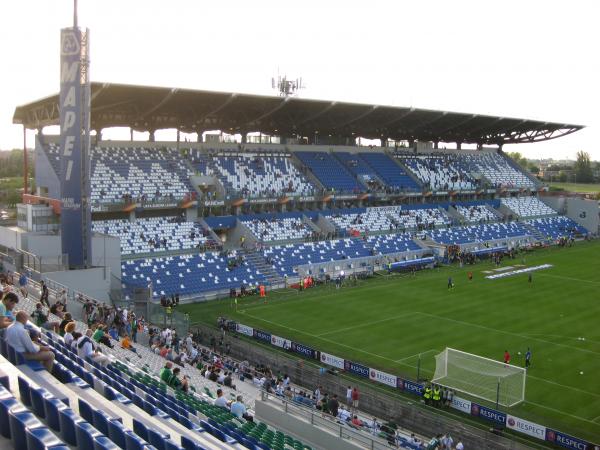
[285, 87]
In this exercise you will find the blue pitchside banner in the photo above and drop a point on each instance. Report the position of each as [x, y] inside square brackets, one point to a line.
[74, 144]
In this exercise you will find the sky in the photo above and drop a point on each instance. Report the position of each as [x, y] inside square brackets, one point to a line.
[532, 59]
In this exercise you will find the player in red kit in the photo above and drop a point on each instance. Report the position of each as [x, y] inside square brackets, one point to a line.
[506, 357]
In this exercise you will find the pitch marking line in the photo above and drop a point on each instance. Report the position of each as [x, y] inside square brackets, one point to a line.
[417, 354]
[560, 412]
[567, 278]
[366, 324]
[523, 336]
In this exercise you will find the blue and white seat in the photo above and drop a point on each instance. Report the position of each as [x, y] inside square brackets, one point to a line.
[158, 234]
[528, 207]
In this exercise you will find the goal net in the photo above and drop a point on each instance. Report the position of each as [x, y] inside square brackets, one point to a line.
[480, 377]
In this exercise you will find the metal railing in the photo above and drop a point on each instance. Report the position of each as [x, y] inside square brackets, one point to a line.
[359, 437]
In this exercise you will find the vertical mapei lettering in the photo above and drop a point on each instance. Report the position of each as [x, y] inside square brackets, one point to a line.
[74, 139]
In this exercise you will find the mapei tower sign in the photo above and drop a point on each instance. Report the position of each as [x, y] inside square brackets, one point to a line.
[75, 146]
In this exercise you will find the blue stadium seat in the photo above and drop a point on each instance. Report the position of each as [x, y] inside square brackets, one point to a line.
[189, 444]
[157, 438]
[41, 439]
[85, 410]
[171, 445]
[52, 406]
[24, 391]
[86, 433]
[19, 423]
[38, 397]
[68, 422]
[133, 441]
[102, 442]
[101, 420]
[116, 432]
[140, 429]
[8, 403]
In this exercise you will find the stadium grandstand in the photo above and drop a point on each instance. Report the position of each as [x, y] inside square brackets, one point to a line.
[231, 215]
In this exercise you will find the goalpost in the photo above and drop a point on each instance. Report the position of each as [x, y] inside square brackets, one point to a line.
[480, 377]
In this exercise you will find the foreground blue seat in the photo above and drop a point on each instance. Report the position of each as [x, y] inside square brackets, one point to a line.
[41, 438]
[189, 444]
[38, 397]
[85, 410]
[8, 403]
[86, 433]
[24, 391]
[68, 421]
[157, 438]
[116, 432]
[140, 429]
[172, 445]
[19, 423]
[52, 406]
[101, 419]
[133, 441]
[101, 442]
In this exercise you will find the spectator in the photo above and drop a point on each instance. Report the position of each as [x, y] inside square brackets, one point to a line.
[356, 421]
[44, 295]
[238, 409]
[69, 337]
[220, 400]
[6, 306]
[178, 383]
[18, 337]
[41, 319]
[333, 405]
[86, 348]
[355, 398]
[66, 319]
[166, 373]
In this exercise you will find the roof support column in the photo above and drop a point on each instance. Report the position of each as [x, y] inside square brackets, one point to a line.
[436, 144]
[199, 138]
[151, 137]
[131, 134]
[244, 137]
[459, 145]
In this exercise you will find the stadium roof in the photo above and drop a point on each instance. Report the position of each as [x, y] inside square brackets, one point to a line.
[146, 108]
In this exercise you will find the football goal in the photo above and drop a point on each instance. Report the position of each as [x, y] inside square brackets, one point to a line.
[480, 377]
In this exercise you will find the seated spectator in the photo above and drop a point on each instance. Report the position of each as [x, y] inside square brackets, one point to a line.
[86, 348]
[126, 344]
[356, 421]
[40, 318]
[114, 333]
[166, 373]
[220, 400]
[69, 329]
[18, 337]
[178, 383]
[238, 409]
[6, 306]
[66, 319]
[76, 336]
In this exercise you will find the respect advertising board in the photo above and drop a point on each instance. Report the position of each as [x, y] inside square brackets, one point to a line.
[566, 441]
[356, 369]
[332, 360]
[383, 377]
[304, 350]
[488, 414]
[262, 336]
[280, 342]
[243, 329]
[526, 427]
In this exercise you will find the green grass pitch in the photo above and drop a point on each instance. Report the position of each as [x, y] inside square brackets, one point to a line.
[387, 322]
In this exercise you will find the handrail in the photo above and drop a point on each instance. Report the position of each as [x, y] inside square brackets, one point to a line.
[334, 427]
